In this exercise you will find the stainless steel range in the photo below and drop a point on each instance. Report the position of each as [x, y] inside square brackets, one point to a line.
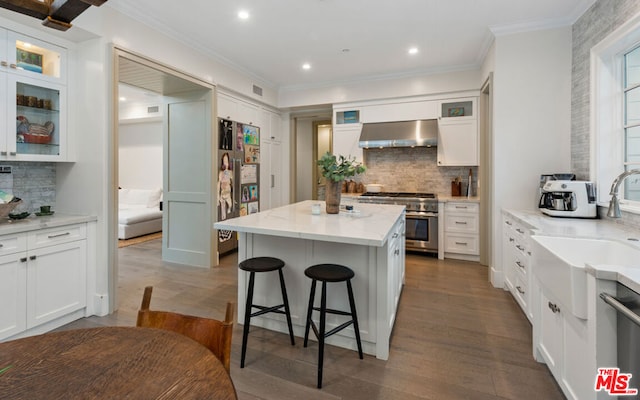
[421, 217]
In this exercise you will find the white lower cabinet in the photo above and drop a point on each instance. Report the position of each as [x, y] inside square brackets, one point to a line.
[562, 341]
[42, 278]
[516, 255]
[461, 230]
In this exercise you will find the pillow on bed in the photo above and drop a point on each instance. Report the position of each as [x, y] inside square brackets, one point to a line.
[149, 198]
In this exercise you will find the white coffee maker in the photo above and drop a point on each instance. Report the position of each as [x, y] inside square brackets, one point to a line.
[573, 199]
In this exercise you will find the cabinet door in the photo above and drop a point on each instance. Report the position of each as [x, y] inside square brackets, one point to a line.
[345, 141]
[226, 106]
[33, 58]
[13, 287]
[40, 110]
[276, 178]
[276, 126]
[56, 279]
[551, 332]
[458, 142]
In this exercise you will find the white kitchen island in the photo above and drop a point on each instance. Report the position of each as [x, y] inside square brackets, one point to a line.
[370, 241]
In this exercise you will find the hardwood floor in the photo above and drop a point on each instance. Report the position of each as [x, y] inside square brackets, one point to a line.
[456, 337]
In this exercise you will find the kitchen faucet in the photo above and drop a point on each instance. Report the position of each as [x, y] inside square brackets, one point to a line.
[614, 205]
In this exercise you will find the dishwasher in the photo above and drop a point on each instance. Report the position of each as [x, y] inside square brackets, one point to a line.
[627, 305]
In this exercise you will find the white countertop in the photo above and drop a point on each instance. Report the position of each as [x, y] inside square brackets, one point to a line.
[33, 222]
[369, 225]
[541, 224]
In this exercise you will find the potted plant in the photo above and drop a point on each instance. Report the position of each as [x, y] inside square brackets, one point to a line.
[335, 170]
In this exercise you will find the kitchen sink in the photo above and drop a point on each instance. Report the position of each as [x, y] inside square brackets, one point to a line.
[559, 263]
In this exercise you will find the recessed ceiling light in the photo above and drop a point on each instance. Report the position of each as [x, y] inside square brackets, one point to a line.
[122, 98]
[306, 66]
[243, 14]
[413, 50]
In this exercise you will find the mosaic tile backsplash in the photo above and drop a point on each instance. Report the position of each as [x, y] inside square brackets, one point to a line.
[33, 182]
[406, 169]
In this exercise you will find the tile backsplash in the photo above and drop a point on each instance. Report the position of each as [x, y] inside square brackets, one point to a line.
[406, 169]
[34, 183]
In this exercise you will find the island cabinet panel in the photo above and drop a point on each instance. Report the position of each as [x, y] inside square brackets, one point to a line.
[291, 233]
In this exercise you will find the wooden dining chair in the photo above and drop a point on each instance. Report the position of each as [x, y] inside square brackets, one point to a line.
[213, 334]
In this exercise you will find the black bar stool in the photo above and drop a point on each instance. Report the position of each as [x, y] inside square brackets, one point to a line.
[329, 273]
[263, 264]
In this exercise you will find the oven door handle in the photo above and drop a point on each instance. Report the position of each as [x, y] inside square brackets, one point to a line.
[615, 303]
[421, 216]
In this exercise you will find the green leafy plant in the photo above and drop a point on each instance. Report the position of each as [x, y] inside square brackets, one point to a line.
[339, 168]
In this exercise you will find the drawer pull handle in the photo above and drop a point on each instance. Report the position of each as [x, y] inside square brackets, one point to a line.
[32, 257]
[528, 252]
[461, 223]
[58, 235]
[14, 66]
[397, 252]
[23, 259]
[508, 223]
[519, 264]
[462, 243]
[519, 247]
[463, 207]
[4, 63]
[395, 235]
[554, 308]
[519, 230]
[512, 240]
[520, 290]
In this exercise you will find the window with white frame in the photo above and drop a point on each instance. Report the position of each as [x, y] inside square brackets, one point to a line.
[615, 114]
[631, 136]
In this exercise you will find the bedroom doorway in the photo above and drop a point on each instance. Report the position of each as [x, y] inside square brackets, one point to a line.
[183, 145]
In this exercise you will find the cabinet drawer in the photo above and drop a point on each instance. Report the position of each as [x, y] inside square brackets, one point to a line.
[10, 244]
[63, 234]
[464, 223]
[463, 244]
[461, 207]
[520, 292]
[520, 264]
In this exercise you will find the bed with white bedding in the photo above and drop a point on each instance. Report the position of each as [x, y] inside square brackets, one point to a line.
[139, 212]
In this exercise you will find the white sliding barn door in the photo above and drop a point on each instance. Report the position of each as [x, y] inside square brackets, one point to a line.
[188, 185]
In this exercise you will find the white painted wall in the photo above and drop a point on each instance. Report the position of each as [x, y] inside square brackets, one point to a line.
[531, 120]
[140, 155]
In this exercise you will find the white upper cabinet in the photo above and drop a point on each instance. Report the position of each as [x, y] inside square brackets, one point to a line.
[345, 141]
[237, 110]
[458, 132]
[34, 58]
[33, 99]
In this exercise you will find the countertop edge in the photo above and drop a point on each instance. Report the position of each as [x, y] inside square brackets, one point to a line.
[33, 223]
[540, 225]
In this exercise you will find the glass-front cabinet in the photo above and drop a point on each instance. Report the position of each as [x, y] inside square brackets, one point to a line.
[33, 99]
[34, 58]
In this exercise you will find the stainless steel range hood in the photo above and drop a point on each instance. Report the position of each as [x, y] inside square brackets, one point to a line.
[399, 134]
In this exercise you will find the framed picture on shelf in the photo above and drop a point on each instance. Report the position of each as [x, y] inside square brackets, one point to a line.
[29, 61]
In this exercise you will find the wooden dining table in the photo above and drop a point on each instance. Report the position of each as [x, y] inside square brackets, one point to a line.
[111, 363]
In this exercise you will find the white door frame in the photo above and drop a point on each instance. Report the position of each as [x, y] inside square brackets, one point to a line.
[112, 172]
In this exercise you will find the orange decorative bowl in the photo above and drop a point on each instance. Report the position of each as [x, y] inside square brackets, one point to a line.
[38, 139]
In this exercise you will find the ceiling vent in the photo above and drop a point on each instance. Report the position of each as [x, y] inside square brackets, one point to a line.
[257, 90]
[153, 109]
